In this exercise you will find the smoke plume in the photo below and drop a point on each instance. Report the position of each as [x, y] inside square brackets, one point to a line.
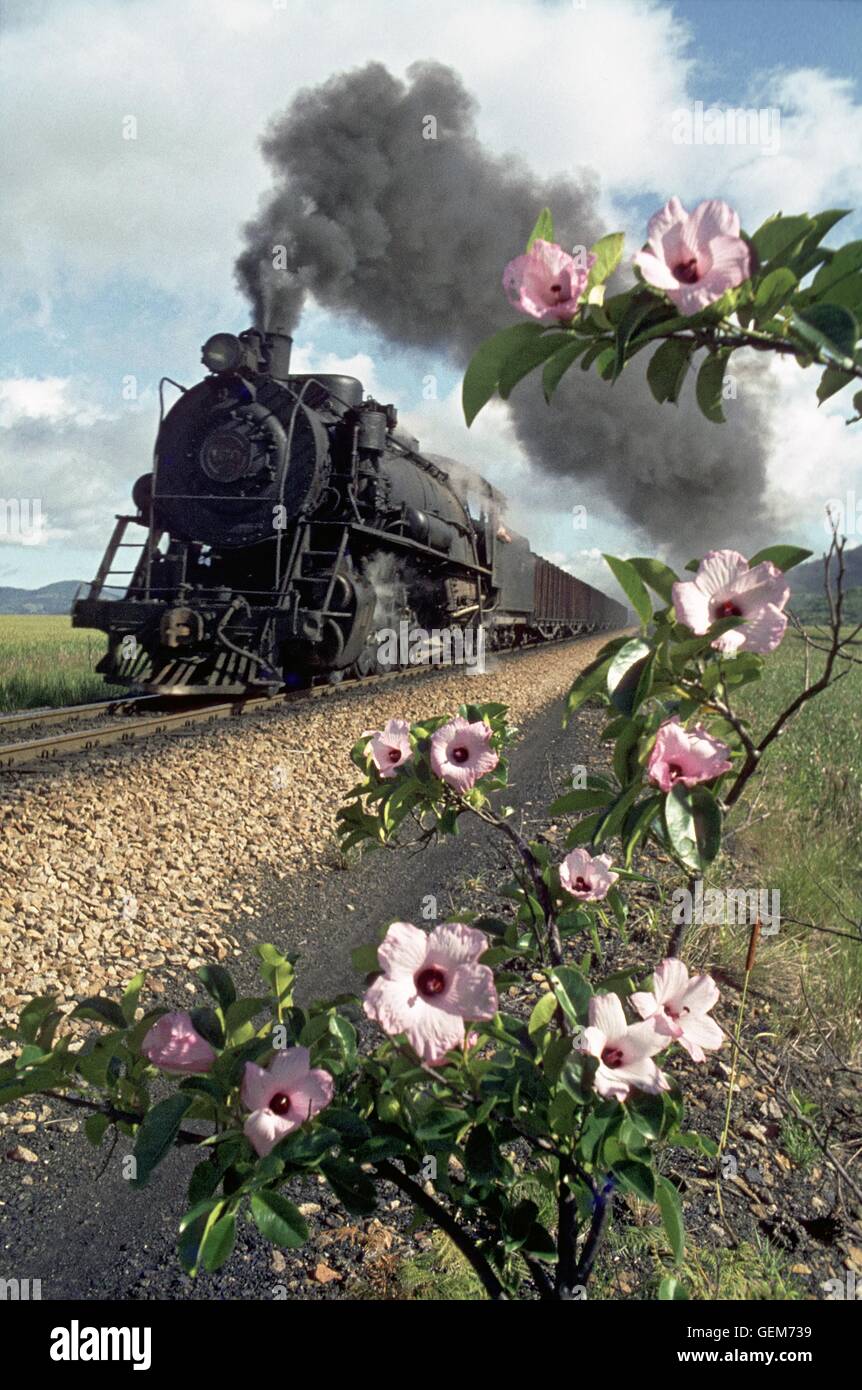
[410, 235]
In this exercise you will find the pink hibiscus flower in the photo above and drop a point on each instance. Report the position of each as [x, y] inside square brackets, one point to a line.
[726, 587]
[546, 283]
[587, 878]
[173, 1044]
[461, 753]
[695, 256]
[390, 747]
[624, 1050]
[678, 1007]
[431, 984]
[282, 1096]
[686, 755]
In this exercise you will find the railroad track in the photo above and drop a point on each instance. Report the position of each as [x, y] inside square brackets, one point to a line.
[127, 727]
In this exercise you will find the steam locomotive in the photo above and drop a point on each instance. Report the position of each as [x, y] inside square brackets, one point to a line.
[287, 520]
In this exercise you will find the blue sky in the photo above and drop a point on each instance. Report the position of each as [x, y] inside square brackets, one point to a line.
[117, 262]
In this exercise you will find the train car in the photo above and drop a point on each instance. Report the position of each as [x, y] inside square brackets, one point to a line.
[287, 520]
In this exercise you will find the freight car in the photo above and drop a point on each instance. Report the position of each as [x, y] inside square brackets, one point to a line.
[287, 520]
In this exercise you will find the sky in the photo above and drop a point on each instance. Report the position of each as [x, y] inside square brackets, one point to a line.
[131, 161]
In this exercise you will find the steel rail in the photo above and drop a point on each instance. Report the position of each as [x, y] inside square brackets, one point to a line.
[40, 750]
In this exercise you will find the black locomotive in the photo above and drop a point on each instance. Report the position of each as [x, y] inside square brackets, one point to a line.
[287, 521]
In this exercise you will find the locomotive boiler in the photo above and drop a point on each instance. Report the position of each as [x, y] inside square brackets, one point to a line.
[287, 520]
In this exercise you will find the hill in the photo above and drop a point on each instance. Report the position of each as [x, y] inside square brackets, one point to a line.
[51, 598]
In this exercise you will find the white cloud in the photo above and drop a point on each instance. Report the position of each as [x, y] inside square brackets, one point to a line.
[202, 80]
[67, 465]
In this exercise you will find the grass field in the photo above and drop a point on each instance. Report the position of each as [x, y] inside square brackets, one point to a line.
[45, 661]
[805, 840]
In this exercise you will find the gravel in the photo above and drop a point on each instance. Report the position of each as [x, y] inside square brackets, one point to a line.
[152, 857]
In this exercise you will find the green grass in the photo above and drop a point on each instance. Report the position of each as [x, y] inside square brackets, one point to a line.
[807, 844]
[45, 661]
[635, 1259]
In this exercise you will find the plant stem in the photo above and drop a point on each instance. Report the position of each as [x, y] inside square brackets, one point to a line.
[447, 1223]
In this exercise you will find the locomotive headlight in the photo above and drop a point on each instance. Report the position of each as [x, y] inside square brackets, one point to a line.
[222, 352]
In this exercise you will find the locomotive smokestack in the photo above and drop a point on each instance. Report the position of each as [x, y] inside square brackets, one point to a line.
[278, 347]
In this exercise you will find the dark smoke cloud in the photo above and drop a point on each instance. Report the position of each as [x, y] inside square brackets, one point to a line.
[411, 235]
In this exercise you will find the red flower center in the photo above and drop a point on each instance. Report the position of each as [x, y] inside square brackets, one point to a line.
[728, 609]
[430, 981]
[394, 755]
[612, 1056]
[686, 271]
[581, 885]
[459, 754]
[280, 1103]
[674, 771]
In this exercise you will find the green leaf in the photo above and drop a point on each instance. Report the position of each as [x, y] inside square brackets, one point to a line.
[100, 1010]
[591, 681]
[710, 382]
[482, 1157]
[693, 823]
[581, 799]
[536, 352]
[671, 1290]
[783, 557]
[572, 991]
[238, 1018]
[544, 228]
[660, 577]
[608, 251]
[157, 1132]
[671, 1214]
[33, 1015]
[193, 1229]
[365, 960]
[278, 1220]
[94, 1128]
[646, 1113]
[830, 328]
[207, 1022]
[560, 363]
[483, 373]
[668, 369]
[632, 318]
[628, 673]
[353, 1188]
[778, 236]
[773, 292]
[832, 381]
[636, 1177]
[841, 271]
[218, 984]
[542, 1014]
[638, 824]
[129, 1001]
[632, 586]
[823, 222]
[218, 1242]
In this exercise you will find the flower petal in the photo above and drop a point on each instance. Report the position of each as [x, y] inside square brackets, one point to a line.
[606, 1012]
[472, 993]
[311, 1094]
[453, 943]
[263, 1130]
[403, 949]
